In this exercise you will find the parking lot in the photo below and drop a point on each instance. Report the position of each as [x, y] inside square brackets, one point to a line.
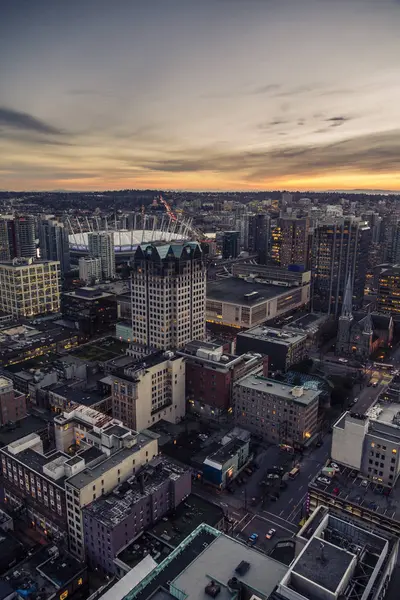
[261, 526]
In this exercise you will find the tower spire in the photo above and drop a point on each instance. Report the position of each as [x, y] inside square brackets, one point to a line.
[347, 306]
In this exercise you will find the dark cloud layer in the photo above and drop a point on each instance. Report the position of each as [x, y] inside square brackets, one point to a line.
[375, 152]
[21, 121]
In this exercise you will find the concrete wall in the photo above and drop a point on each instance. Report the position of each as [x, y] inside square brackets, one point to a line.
[348, 442]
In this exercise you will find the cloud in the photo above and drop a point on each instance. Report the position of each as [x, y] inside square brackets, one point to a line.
[337, 121]
[21, 121]
[368, 153]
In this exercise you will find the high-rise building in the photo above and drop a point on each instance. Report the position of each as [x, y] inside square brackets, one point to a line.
[340, 247]
[230, 244]
[29, 288]
[294, 241]
[259, 232]
[101, 245]
[25, 236]
[388, 298]
[54, 243]
[89, 269]
[17, 237]
[168, 295]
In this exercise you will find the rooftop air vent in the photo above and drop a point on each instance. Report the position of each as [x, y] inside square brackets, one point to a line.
[212, 589]
[242, 568]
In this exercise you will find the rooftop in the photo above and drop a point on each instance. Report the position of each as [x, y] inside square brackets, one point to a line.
[277, 336]
[235, 290]
[223, 559]
[114, 508]
[85, 477]
[279, 389]
[24, 427]
[324, 564]
[73, 394]
[135, 367]
[371, 498]
[48, 570]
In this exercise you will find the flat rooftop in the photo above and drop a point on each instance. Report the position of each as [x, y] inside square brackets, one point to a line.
[279, 389]
[73, 394]
[116, 507]
[24, 427]
[308, 321]
[324, 564]
[36, 461]
[235, 290]
[276, 336]
[82, 479]
[219, 562]
[350, 491]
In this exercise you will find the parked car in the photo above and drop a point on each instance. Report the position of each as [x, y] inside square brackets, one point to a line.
[272, 476]
[253, 538]
[335, 466]
[364, 483]
[324, 480]
[335, 491]
[270, 533]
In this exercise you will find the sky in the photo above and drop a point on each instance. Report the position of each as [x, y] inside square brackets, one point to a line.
[200, 94]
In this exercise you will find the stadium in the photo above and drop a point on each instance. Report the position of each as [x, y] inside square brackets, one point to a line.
[149, 229]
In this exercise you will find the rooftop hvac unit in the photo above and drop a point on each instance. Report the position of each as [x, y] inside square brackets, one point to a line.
[212, 589]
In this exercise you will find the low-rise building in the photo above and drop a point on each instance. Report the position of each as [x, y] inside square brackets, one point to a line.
[12, 402]
[54, 488]
[147, 390]
[92, 310]
[240, 303]
[211, 373]
[29, 288]
[283, 348]
[132, 507]
[222, 466]
[277, 412]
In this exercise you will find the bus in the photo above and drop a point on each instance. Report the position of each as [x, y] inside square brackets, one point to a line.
[294, 472]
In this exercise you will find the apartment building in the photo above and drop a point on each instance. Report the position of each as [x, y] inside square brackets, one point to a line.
[89, 269]
[388, 298]
[211, 373]
[168, 295]
[55, 487]
[101, 245]
[150, 389]
[279, 413]
[29, 288]
[113, 522]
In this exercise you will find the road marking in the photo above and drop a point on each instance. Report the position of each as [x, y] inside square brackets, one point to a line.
[244, 526]
[269, 520]
[281, 512]
[290, 501]
[311, 475]
[241, 520]
[301, 487]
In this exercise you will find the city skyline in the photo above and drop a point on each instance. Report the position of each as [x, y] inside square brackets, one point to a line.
[217, 95]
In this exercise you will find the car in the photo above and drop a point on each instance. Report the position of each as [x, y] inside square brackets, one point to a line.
[343, 360]
[253, 538]
[335, 491]
[270, 534]
[374, 383]
[272, 476]
[324, 480]
[364, 483]
[335, 466]
[319, 444]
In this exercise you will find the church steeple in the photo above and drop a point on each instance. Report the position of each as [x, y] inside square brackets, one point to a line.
[368, 325]
[347, 306]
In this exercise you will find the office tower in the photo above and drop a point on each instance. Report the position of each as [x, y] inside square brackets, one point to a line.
[276, 243]
[54, 243]
[294, 241]
[7, 238]
[230, 244]
[388, 298]
[168, 295]
[89, 269]
[29, 288]
[101, 245]
[340, 247]
[25, 236]
[259, 232]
